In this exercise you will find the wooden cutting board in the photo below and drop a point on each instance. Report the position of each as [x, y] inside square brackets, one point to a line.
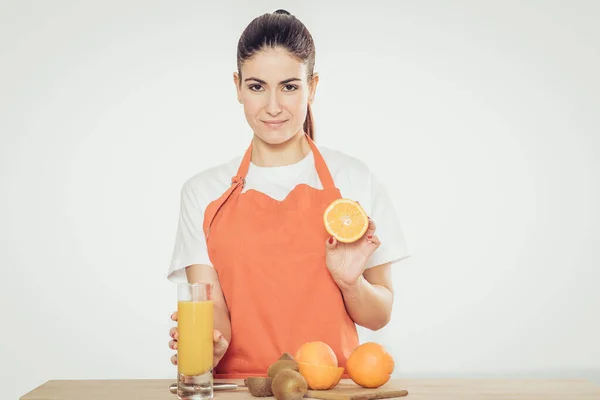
[344, 391]
[349, 391]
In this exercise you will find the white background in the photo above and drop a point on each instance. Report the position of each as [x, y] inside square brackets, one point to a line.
[482, 118]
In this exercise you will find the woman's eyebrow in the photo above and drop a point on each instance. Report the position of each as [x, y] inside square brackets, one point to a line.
[264, 83]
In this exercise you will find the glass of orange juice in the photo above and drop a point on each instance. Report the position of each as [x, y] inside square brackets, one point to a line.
[195, 342]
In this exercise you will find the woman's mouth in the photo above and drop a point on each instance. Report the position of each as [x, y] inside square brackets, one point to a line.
[275, 123]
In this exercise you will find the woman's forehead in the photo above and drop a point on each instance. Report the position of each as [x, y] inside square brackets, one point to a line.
[273, 65]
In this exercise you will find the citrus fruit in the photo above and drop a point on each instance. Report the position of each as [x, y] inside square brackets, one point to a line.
[345, 220]
[316, 353]
[320, 377]
[370, 365]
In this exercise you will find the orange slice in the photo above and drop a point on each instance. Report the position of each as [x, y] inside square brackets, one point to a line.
[320, 377]
[345, 220]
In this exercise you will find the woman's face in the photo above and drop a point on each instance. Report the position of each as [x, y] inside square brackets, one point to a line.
[275, 94]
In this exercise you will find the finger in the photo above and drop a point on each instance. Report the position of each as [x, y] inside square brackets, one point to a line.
[220, 344]
[220, 347]
[173, 344]
[174, 359]
[174, 316]
[174, 333]
[331, 243]
[374, 240]
[371, 228]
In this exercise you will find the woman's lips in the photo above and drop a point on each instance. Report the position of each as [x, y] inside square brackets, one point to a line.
[274, 124]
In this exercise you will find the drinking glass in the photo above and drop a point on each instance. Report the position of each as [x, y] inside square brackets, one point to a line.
[195, 342]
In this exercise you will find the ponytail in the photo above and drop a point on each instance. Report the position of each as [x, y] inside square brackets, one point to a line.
[309, 124]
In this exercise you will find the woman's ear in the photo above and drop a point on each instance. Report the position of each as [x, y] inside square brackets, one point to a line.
[236, 81]
[313, 87]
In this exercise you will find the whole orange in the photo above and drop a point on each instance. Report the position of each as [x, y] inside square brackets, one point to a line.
[316, 353]
[370, 365]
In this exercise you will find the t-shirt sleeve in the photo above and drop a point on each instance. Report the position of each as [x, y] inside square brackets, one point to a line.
[190, 243]
[381, 210]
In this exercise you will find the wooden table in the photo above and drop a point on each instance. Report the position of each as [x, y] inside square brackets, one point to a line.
[424, 389]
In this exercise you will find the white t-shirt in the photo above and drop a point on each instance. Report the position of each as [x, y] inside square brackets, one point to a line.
[350, 175]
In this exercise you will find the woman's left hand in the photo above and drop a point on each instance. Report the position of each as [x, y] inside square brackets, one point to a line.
[346, 261]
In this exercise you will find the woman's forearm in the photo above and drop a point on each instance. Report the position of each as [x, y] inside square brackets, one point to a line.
[369, 305]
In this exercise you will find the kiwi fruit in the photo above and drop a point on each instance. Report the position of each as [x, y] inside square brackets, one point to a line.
[289, 385]
[281, 365]
[286, 356]
[259, 386]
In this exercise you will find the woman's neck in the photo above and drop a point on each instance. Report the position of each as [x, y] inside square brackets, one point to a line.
[277, 155]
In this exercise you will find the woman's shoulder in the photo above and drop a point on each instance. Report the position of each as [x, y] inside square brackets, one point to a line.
[354, 178]
[344, 164]
[209, 183]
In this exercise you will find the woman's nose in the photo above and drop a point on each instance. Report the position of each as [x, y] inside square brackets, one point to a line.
[273, 108]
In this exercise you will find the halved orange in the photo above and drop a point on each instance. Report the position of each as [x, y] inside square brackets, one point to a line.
[320, 377]
[345, 220]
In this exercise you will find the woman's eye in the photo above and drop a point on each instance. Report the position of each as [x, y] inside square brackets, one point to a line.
[290, 88]
[255, 87]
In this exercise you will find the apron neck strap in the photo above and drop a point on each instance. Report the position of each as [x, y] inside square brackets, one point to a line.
[321, 166]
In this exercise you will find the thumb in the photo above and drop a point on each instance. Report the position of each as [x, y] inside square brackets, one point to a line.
[220, 344]
[331, 243]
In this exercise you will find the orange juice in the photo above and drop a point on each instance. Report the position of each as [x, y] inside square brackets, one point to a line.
[195, 342]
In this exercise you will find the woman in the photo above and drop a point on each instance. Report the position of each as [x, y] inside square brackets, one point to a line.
[254, 226]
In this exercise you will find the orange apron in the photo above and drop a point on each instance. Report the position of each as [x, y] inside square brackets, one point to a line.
[270, 258]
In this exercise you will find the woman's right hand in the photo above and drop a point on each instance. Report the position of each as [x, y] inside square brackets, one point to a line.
[220, 344]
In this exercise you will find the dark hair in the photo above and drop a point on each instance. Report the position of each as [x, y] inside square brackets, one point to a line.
[279, 29]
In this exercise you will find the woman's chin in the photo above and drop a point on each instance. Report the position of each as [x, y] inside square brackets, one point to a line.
[275, 137]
